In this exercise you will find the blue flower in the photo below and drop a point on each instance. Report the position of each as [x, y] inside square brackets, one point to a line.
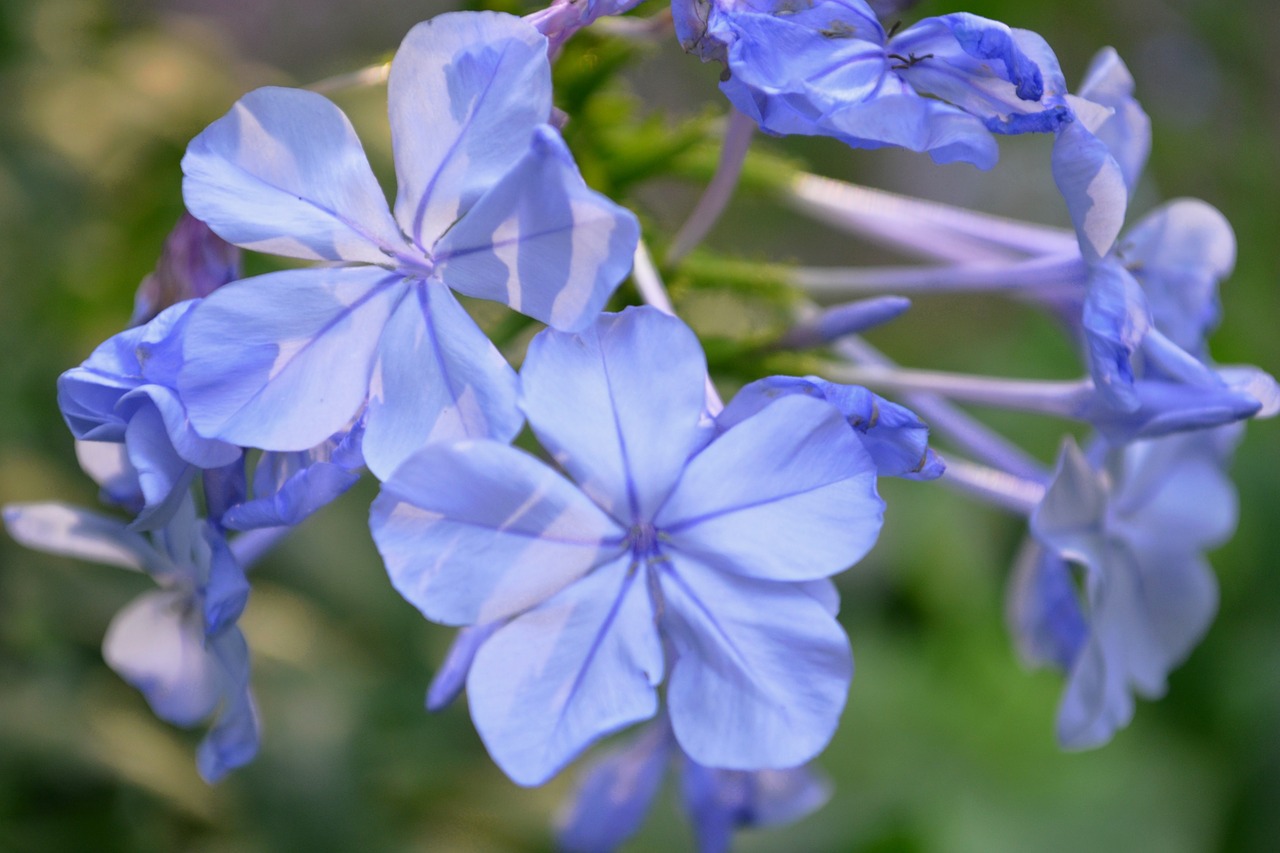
[682, 554]
[616, 789]
[490, 204]
[124, 394]
[828, 68]
[1115, 590]
[180, 645]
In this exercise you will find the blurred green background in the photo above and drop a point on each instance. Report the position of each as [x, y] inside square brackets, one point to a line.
[947, 743]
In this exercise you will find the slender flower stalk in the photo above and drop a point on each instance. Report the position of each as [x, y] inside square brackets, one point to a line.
[1057, 397]
[926, 228]
[996, 487]
[737, 140]
[1036, 274]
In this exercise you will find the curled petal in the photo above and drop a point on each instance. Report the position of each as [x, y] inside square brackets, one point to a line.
[1092, 184]
[1115, 320]
[1070, 519]
[1044, 610]
[1127, 130]
[233, 741]
[163, 475]
[720, 801]
[452, 676]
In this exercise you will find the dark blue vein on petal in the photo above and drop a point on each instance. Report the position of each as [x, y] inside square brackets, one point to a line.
[420, 214]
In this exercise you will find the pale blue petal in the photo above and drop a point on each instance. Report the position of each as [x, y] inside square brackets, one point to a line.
[720, 801]
[1096, 702]
[1127, 131]
[452, 675]
[1257, 383]
[1175, 496]
[80, 533]
[1165, 408]
[1115, 321]
[618, 406]
[541, 241]
[713, 799]
[979, 65]
[107, 463]
[897, 440]
[788, 494]
[909, 121]
[223, 488]
[477, 531]
[438, 378]
[1093, 187]
[824, 592]
[614, 793]
[157, 644]
[465, 93]
[163, 475]
[282, 361]
[88, 394]
[783, 796]
[185, 442]
[1147, 612]
[1071, 518]
[1179, 598]
[1179, 253]
[564, 674]
[790, 71]
[313, 486]
[1044, 609]
[766, 656]
[233, 741]
[227, 589]
[283, 172]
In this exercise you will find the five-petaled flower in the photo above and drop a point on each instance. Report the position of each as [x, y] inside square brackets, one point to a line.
[490, 204]
[676, 553]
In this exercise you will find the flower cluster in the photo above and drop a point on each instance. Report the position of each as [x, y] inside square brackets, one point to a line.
[651, 554]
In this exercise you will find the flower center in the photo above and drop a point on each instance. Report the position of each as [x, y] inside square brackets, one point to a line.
[643, 538]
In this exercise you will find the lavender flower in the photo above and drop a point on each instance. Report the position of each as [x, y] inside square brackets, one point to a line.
[677, 554]
[489, 203]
